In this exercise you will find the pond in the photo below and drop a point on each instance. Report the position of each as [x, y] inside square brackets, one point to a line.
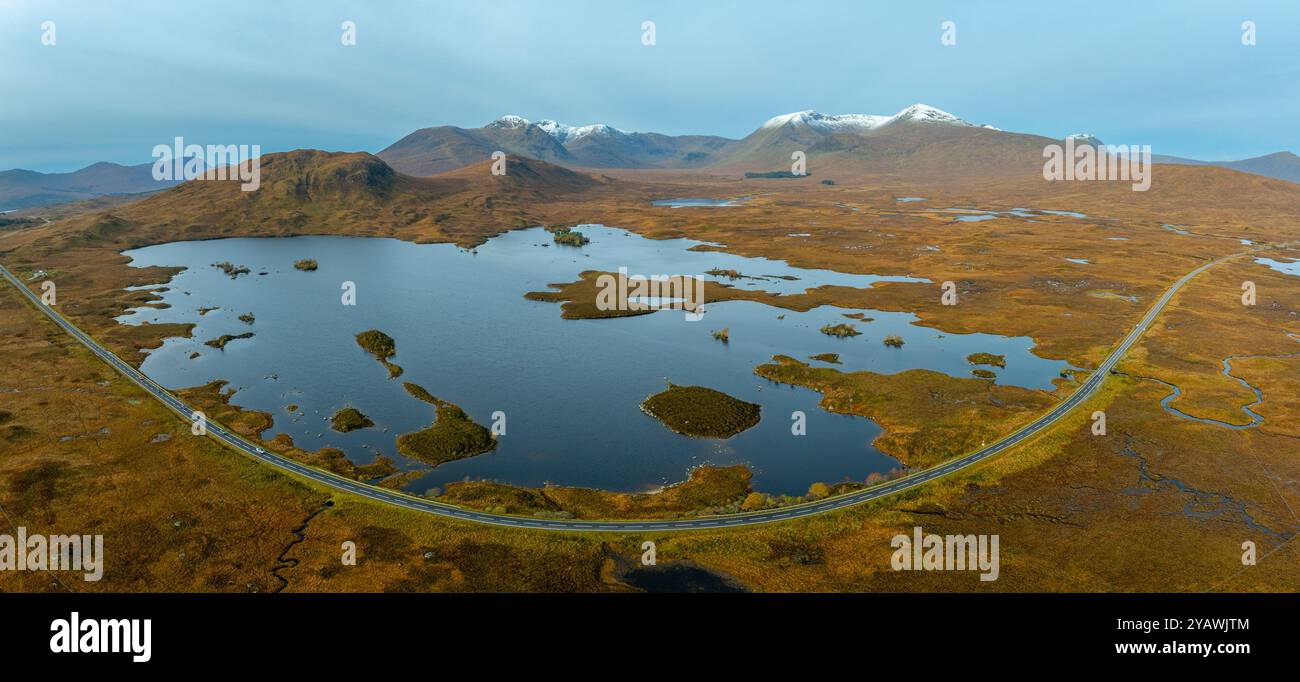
[570, 389]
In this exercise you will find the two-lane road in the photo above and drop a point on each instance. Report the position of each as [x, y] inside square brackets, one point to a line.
[1081, 394]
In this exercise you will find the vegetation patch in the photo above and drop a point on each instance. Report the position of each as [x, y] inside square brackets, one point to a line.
[306, 264]
[231, 269]
[928, 416]
[833, 358]
[221, 341]
[987, 359]
[774, 175]
[709, 490]
[247, 318]
[382, 347]
[894, 341]
[723, 335]
[350, 419]
[841, 330]
[984, 373]
[452, 436]
[568, 236]
[702, 412]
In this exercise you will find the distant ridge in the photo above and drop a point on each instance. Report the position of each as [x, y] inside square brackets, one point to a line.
[29, 189]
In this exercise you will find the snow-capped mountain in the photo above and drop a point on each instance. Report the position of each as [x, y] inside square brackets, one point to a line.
[917, 113]
[812, 119]
[567, 133]
[433, 150]
[1085, 138]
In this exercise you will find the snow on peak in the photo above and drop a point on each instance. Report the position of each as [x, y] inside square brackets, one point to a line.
[567, 133]
[1086, 138]
[827, 122]
[509, 121]
[921, 113]
[925, 113]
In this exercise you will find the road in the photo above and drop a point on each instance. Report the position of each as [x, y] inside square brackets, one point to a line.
[214, 430]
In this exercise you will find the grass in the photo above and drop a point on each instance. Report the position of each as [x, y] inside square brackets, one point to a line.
[453, 435]
[382, 347]
[306, 264]
[984, 373]
[701, 412]
[247, 318]
[893, 341]
[1153, 545]
[568, 236]
[350, 419]
[231, 269]
[833, 358]
[723, 335]
[987, 359]
[221, 341]
[841, 330]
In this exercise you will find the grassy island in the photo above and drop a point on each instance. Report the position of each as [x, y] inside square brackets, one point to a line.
[833, 358]
[702, 412]
[306, 264]
[984, 373]
[453, 435]
[247, 318]
[568, 236]
[841, 330]
[231, 269]
[987, 359]
[894, 341]
[382, 347]
[723, 335]
[221, 341]
[350, 419]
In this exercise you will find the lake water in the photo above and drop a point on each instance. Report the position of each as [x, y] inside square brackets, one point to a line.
[570, 389]
[698, 203]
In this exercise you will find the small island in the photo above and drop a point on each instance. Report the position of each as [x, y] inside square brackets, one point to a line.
[221, 341]
[987, 359]
[350, 419]
[231, 269]
[894, 341]
[382, 347]
[568, 237]
[247, 318]
[701, 412]
[306, 264]
[723, 335]
[984, 373]
[453, 435]
[841, 330]
[833, 358]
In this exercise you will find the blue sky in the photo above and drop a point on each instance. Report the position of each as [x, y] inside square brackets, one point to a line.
[125, 76]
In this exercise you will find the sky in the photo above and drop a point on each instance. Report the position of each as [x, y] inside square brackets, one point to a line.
[124, 76]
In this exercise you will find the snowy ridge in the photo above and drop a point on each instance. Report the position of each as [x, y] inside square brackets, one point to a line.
[561, 132]
[917, 113]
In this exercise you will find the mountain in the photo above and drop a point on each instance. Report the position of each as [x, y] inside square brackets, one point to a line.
[1280, 165]
[920, 139]
[429, 151]
[28, 189]
[316, 192]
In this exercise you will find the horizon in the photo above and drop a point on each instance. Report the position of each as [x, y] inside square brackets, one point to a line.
[1169, 77]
